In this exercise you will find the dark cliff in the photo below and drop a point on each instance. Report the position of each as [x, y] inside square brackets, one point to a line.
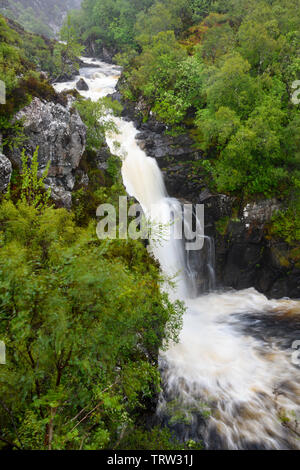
[39, 13]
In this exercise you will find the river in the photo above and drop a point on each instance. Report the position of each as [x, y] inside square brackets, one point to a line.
[232, 382]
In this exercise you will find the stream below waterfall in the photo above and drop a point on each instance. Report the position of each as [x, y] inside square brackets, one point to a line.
[231, 382]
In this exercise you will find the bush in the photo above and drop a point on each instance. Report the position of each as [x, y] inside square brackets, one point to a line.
[82, 321]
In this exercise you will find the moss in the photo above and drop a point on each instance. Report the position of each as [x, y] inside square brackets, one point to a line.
[72, 92]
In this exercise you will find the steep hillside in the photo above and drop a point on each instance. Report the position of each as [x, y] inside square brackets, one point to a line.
[220, 78]
[39, 16]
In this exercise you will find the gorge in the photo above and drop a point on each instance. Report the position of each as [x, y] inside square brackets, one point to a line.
[184, 116]
[229, 363]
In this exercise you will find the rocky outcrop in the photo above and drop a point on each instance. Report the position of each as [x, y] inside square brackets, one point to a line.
[60, 135]
[101, 158]
[247, 258]
[175, 157]
[5, 173]
[108, 54]
[245, 255]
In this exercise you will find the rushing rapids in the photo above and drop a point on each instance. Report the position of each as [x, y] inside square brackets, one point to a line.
[231, 381]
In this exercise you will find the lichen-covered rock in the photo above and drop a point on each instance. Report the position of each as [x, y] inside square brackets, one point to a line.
[81, 85]
[60, 135]
[5, 173]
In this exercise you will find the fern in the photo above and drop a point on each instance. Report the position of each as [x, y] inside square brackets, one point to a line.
[33, 190]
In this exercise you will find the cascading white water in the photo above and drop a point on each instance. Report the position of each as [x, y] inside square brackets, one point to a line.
[143, 180]
[229, 359]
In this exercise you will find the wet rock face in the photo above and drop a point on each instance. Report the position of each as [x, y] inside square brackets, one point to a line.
[108, 55]
[246, 257]
[162, 146]
[5, 173]
[60, 135]
[260, 212]
[81, 85]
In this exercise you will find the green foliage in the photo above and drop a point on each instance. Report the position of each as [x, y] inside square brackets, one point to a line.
[179, 413]
[83, 321]
[12, 132]
[201, 9]
[28, 19]
[258, 42]
[158, 66]
[187, 92]
[228, 79]
[22, 53]
[10, 56]
[218, 39]
[215, 130]
[108, 23]
[95, 116]
[251, 163]
[40, 53]
[222, 225]
[22, 56]
[232, 86]
[162, 16]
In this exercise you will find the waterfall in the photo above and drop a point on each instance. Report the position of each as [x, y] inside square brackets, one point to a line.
[230, 382]
[143, 180]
